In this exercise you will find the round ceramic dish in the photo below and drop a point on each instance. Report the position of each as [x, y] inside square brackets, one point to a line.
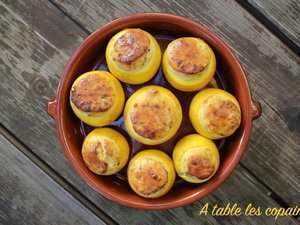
[165, 27]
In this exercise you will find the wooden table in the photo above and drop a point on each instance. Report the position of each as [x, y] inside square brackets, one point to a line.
[38, 186]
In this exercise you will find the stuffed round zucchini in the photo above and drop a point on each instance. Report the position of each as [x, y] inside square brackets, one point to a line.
[151, 173]
[105, 151]
[97, 98]
[152, 115]
[189, 63]
[133, 56]
[215, 113]
[196, 158]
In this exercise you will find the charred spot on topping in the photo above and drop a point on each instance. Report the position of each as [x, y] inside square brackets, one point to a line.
[151, 119]
[200, 167]
[92, 94]
[96, 154]
[150, 177]
[130, 46]
[223, 117]
[92, 160]
[186, 57]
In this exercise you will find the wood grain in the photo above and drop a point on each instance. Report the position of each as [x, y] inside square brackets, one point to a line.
[28, 196]
[273, 72]
[284, 14]
[28, 82]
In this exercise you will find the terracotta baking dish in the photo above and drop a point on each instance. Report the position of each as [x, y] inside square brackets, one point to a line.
[164, 27]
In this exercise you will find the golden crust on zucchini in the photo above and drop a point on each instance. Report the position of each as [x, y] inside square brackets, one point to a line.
[151, 120]
[92, 94]
[150, 177]
[97, 155]
[151, 173]
[186, 57]
[130, 46]
[223, 117]
[200, 166]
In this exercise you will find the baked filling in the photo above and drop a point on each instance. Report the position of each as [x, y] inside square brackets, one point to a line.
[185, 56]
[222, 117]
[200, 167]
[150, 176]
[130, 46]
[92, 94]
[152, 118]
[99, 156]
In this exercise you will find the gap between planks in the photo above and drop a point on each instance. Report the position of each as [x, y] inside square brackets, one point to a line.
[269, 25]
[55, 176]
[70, 17]
[272, 194]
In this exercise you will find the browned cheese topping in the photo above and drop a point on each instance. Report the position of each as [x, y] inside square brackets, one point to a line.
[151, 119]
[150, 177]
[186, 57]
[200, 167]
[223, 117]
[130, 46]
[92, 94]
[91, 158]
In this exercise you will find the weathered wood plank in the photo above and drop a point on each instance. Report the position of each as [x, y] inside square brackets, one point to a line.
[28, 196]
[31, 73]
[284, 14]
[273, 72]
[50, 23]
